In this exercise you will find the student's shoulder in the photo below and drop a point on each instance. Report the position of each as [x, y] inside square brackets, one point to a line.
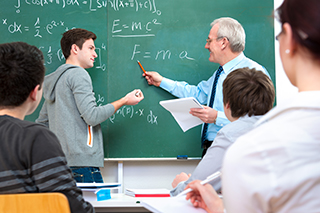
[36, 128]
[76, 73]
[73, 70]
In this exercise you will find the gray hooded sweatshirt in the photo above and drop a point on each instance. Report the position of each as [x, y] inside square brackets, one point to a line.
[71, 112]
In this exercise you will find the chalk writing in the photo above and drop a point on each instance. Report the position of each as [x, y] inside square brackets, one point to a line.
[48, 56]
[160, 54]
[135, 4]
[100, 100]
[37, 26]
[132, 27]
[130, 112]
[151, 118]
[93, 5]
[99, 64]
[43, 3]
[16, 27]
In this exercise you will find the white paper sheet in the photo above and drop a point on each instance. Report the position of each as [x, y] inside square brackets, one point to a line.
[170, 205]
[180, 108]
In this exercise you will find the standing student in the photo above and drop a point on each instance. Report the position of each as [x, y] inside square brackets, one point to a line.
[31, 158]
[275, 167]
[70, 108]
[247, 95]
[226, 42]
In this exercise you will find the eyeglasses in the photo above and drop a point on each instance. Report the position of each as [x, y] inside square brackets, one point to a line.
[209, 40]
[302, 34]
[277, 36]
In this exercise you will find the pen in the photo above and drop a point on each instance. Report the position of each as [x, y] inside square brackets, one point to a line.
[141, 66]
[207, 180]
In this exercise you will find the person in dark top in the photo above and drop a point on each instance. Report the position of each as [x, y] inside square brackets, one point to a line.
[31, 157]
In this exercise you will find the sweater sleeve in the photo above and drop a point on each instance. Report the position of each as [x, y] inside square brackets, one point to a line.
[49, 170]
[81, 86]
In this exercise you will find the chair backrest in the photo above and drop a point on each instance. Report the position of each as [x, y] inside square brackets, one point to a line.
[52, 202]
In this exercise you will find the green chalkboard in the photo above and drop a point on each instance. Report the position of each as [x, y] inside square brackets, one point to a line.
[167, 36]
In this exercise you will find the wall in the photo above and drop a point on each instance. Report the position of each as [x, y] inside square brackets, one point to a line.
[160, 174]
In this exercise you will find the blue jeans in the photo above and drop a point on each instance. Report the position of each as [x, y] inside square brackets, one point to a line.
[86, 174]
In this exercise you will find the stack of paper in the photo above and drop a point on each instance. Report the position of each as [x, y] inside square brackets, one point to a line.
[148, 192]
[180, 108]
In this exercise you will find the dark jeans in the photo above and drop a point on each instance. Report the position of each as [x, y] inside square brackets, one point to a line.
[86, 174]
[206, 146]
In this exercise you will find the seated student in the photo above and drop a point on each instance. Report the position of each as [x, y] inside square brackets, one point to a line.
[31, 158]
[247, 95]
[275, 167]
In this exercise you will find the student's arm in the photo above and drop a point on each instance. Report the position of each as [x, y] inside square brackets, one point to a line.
[209, 164]
[80, 84]
[179, 178]
[132, 98]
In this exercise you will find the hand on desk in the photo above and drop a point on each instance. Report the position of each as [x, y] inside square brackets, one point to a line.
[207, 115]
[204, 196]
[180, 177]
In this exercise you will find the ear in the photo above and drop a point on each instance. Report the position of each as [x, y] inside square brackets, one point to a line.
[33, 94]
[74, 49]
[224, 43]
[227, 105]
[288, 42]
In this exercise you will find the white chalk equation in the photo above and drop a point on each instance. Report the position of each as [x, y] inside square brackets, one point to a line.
[130, 112]
[94, 5]
[125, 30]
[164, 54]
[37, 29]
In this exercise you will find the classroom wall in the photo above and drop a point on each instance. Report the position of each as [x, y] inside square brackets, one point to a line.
[159, 174]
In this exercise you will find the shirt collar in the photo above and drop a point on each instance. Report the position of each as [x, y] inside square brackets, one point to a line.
[228, 67]
[306, 100]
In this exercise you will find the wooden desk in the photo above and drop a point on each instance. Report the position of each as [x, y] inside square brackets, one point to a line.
[119, 203]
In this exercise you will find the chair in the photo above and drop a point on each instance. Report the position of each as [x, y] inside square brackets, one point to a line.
[34, 203]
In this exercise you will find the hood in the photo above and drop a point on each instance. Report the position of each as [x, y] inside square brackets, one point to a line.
[51, 80]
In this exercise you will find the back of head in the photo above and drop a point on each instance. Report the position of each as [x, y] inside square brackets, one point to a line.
[75, 36]
[21, 70]
[233, 30]
[248, 91]
[304, 19]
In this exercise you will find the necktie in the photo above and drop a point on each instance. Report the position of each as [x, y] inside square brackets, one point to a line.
[213, 93]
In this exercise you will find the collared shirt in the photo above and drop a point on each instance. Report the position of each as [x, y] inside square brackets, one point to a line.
[202, 92]
[212, 161]
[276, 166]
